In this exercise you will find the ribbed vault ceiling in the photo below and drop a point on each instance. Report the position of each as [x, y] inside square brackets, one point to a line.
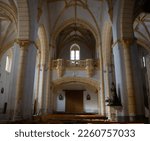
[8, 22]
[75, 33]
[142, 28]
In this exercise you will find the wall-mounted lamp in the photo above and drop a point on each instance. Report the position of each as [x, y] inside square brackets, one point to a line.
[61, 97]
[88, 97]
[2, 90]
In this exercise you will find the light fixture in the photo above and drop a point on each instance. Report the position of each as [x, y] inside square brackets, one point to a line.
[61, 97]
[88, 97]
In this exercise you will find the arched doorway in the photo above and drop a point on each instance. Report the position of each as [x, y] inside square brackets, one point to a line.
[75, 96]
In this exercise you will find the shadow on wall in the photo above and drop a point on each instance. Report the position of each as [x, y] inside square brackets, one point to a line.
[114, 99]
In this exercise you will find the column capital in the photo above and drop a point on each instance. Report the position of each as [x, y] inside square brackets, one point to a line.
[127, 42]
[23, 42]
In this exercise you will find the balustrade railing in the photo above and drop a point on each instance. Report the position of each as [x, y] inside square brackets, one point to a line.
[89, 65]
[75, 63]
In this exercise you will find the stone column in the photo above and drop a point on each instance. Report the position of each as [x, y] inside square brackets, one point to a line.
[108, 109]
[18, 110]
[148, 74]
[102, 95]
[129, 78]
[99, 102]
[41, 89]
[47, 93]
[52, 102]
[37, 90]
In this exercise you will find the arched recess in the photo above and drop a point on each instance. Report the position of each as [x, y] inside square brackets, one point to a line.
[71, 21]
[78, 88]
[98, 47]
[87, 81]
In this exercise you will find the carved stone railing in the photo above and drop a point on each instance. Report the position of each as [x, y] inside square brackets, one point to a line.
[89, 65]
[75, 63]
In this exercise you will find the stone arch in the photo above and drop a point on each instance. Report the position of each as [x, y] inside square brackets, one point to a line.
[11, 15]
[143, 44]
[40, 70]
[107, 42]
[86, 81]
[71, 21]
[23, 19]
[43, 43]
[8, 11]
[107, 55]
[5, 48]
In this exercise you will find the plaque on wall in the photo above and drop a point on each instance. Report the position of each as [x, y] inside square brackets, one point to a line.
[61, 97]
[88, 97]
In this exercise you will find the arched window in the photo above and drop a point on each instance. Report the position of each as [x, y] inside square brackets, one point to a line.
[8, 61]
[144, 61]
[75, 52]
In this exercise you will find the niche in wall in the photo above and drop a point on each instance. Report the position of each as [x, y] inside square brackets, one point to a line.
[2, 90]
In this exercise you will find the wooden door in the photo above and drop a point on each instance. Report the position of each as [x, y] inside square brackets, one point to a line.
[74, 101]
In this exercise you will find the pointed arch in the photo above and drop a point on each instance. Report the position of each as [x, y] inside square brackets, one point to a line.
[86, 81]
[79, 21]
[43, 42]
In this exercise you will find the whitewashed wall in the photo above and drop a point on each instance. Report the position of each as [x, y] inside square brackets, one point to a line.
[89, 106]
[60, 104]
[4, 82]
[8, 81]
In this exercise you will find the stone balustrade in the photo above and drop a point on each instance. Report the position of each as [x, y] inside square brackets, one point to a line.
[88, 64]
